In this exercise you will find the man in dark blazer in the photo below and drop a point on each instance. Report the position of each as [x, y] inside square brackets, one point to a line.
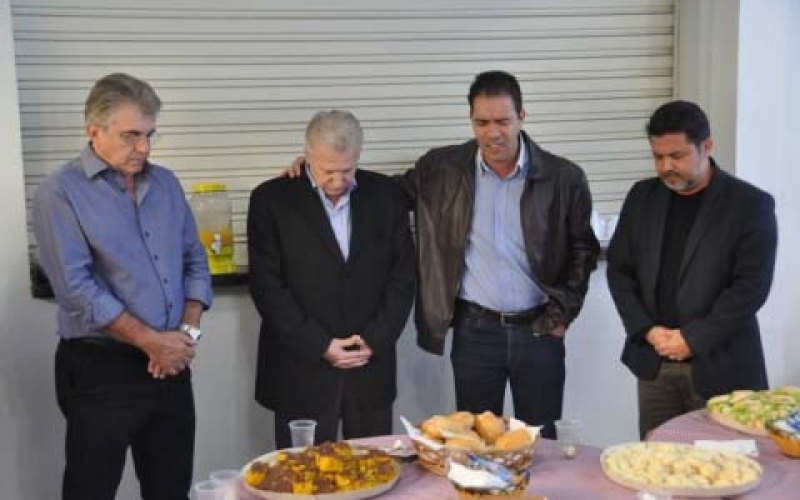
[690, 264]
[332, 275]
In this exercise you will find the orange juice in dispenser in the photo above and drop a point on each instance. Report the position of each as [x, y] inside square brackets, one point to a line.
[212, 211]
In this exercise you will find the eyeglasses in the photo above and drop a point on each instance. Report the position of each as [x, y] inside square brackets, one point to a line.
[133, 137]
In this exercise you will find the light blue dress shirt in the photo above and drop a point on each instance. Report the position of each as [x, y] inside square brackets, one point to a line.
[497, 274]
[105, 253]
[338, 214]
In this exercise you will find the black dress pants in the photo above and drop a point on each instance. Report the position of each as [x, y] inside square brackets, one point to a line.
[487, 355]
[111, 403]
[357, 421]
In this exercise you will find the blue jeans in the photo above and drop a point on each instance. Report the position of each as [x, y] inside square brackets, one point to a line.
[487, 355]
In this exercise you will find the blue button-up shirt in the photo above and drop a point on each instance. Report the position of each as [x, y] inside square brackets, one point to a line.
[105, 253]
[497, 274]
[338, 214]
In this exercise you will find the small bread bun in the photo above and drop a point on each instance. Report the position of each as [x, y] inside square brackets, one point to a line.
[437, 426]
[469, 442]
[514, 440]
[489, 426]
[465, 418]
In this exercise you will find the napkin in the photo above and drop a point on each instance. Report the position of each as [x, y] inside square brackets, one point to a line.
[745, 446]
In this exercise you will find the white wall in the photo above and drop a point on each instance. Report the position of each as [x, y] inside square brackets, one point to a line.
[231, 428]
[768, 155]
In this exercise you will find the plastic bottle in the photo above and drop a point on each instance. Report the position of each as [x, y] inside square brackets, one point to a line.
[212, 211]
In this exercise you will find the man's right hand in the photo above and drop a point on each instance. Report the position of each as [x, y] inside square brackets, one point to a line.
[169, 352]
[348, 353]
[296, 170]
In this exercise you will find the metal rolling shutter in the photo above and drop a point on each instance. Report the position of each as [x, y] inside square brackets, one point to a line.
[239, 80]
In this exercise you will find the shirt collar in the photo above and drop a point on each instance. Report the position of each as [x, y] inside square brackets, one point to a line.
[94, 165]
[520, 167]
[344, 197]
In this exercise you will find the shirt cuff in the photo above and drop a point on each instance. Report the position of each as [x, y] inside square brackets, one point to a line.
[199, 291]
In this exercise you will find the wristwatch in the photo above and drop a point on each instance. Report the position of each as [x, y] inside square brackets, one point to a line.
[192, 331]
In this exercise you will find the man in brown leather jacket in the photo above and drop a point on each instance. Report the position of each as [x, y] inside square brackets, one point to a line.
[505, 250]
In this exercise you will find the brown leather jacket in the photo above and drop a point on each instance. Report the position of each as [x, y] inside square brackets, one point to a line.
[556, 208]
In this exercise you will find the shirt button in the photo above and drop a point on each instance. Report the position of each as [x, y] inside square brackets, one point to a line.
[155, 257]
[166, 280]
[169, 306]
[147, 234]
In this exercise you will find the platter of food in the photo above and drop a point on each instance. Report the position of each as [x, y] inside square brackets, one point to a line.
[680, 469]
[331, 471]
[750, 411]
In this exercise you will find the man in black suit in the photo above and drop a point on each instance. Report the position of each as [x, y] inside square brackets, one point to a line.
[690, 264]
[332, 275]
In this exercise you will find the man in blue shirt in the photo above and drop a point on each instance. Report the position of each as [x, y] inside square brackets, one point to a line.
[119, 245]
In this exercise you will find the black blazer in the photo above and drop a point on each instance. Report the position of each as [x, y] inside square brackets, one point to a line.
[308, 294]
[726, 274]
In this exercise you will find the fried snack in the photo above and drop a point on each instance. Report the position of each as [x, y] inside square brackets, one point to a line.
[438, 426]
[465, 418]
[489, 426]
[328, 468]
[514, 440]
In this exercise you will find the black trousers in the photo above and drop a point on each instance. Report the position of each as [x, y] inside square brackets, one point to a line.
[487, 355]
[668, 395]
[357, 422]
[111, 404]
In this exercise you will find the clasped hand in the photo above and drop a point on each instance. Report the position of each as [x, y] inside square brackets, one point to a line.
[170, 353]
[347, 353]
[669, 342]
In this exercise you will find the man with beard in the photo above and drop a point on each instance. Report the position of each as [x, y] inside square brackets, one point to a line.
[690, 264]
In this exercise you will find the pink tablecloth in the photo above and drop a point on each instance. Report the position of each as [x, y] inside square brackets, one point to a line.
[551, 475]
[781, 477]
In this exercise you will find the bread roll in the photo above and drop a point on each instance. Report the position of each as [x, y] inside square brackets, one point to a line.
[465, 418]
[514, 440]
[489, 426]
[437, 426]
[469, 442]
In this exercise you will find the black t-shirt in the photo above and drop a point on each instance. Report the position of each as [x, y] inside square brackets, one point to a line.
[681, 214]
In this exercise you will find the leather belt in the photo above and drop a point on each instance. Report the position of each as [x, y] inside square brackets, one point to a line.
[469, 310]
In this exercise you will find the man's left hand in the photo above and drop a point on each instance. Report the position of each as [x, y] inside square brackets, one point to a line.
[674, 347]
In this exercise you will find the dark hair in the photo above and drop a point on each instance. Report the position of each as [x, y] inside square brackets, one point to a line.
[680, 116]
[493, 84]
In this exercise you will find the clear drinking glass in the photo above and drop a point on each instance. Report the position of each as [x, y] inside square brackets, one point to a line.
[208, 490]
[568, 432]
[302, 432]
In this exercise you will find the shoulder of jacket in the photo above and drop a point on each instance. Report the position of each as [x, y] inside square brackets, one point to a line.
[554, 164]
[448, 153]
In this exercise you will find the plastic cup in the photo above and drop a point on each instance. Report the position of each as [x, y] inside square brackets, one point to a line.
[208, 490]
[228, 479]
[302, 432]
[568, 432]
[653, 495]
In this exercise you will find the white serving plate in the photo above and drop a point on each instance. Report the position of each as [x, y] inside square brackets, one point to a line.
[345, 495]
[710, 491]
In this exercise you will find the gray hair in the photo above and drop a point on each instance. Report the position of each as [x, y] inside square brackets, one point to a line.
[335, 129]
[118, 89]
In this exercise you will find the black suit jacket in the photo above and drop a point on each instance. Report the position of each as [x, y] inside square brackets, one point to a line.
[307, 294]
[725, 277]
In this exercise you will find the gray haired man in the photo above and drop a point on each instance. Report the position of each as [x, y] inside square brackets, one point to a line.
[119, 245]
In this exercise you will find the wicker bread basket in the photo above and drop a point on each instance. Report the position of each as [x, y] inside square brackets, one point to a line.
[436, 460]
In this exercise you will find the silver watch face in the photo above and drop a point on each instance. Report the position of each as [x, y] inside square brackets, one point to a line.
[192, 331]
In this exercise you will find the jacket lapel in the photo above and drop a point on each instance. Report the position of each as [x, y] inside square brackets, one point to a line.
[654, 227]
[312, 212]
[705, 215]
[359, 219]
